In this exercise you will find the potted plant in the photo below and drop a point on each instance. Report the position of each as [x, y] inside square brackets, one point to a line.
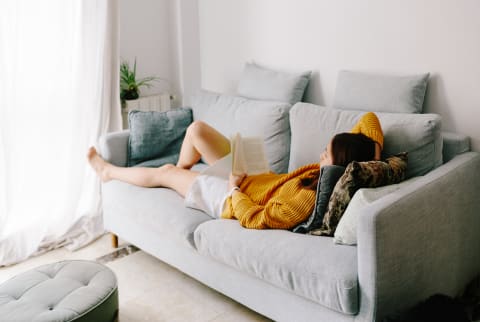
[129, 84]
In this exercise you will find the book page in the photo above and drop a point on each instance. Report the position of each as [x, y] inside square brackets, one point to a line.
[248, 155]
[254, 155]
[238, 160]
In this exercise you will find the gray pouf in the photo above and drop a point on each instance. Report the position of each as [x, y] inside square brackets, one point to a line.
[65, 291]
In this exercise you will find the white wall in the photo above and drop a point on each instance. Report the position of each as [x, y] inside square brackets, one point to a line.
[396, 36]
[164, 36]
[148, 32]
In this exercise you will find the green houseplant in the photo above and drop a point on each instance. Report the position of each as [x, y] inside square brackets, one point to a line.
[129, 84]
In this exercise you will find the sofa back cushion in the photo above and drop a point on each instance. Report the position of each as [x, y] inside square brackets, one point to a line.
[380, 93]
[231, 114]
[313, 126]
[258, 82]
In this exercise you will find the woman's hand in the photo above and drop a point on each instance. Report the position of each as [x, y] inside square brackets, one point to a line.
[378, 151]
[235, 180]
[326, 157]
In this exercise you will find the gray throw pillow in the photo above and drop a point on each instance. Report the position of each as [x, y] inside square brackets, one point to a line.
[156, 137]
[380, 93]
[329, 176]
[262, 83]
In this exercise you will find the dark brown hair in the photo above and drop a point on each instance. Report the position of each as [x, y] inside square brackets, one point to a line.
[348, 147]
[345, 148]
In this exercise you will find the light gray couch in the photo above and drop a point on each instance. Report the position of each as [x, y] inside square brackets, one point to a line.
[422, 239]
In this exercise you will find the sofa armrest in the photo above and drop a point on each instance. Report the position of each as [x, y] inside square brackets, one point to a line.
[114, 147]
[421, 240]
[453, 144]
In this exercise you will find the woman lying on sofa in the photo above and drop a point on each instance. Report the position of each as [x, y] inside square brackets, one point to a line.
[268, 200]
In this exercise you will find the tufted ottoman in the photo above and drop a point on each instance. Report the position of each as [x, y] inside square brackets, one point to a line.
[65, 291]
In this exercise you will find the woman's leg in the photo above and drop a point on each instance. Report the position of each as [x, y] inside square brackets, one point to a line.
[168, 176]
[202, 140]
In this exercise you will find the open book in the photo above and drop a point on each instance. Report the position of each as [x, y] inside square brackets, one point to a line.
[248, 155]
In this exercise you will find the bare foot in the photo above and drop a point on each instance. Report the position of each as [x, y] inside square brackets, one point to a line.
[98, 164]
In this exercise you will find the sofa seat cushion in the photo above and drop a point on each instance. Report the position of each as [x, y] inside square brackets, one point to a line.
[310, 266]
[154, 210]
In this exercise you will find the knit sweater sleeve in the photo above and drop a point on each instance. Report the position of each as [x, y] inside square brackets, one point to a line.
[280, 212]
[370, 126]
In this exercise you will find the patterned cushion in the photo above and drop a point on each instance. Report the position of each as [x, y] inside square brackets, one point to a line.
[329, 175]
[358, 175]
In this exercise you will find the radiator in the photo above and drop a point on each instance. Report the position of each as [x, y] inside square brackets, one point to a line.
[159, 103]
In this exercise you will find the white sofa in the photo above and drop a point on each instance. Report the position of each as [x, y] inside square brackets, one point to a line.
[422, 239]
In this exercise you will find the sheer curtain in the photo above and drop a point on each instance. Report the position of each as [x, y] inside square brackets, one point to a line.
[58, 94]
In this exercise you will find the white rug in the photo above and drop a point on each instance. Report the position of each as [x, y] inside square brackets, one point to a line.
[150, 290]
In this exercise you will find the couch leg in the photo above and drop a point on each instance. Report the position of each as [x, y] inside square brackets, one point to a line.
[114, 241]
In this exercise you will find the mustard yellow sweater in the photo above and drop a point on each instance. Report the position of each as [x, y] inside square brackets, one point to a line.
[273, 200]
[281, 201]
[370, 126]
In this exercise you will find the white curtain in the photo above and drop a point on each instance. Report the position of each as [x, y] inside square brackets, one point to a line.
[58, 94]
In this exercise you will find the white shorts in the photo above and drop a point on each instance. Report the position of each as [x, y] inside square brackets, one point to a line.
[209, 190]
